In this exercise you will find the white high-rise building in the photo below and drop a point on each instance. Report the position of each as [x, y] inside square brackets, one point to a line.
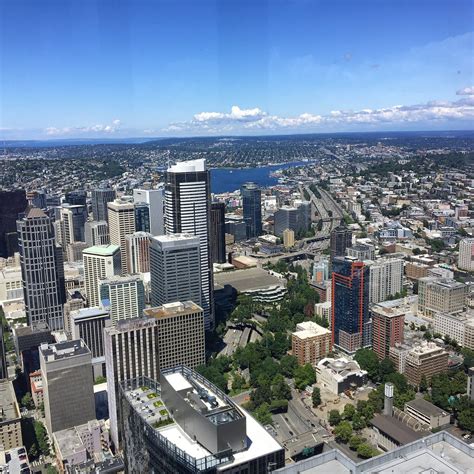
[121, 223]
[386, 278]
[187, 210]
[155, 198]
[466, 255]
[96, 233]
[100, 261]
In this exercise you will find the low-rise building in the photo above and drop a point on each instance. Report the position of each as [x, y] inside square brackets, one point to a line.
[10, 418]
[36, 384]
[427, 413]
[310, 342]
[459, 327]
[338, 375]
[440, 295]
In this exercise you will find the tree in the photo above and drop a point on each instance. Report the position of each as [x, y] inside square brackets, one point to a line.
[343, 431]
[280, 389]
[100, 379]
[386, 368]
[262, 414]
[41, 437]
[423, 384]
[366, 451]
[358, 421]
[368, 360]
[427, 335]
[238, 382]
[334, 417]
[355, 441]
[466, 419]
[304, 376]
[27, 401]
[316, 397]
[288, 364]
[349, 412]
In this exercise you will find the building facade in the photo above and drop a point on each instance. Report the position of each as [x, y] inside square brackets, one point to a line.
[310, 343]
[340, 241]
[440, 295]
[138, 252]
[386, 278]
[12, 204]
[252, 209]
[459, 327]
[387, 328]
[100, 199]
[425, 360]
[10, 417]
[155, 198]
[218, 232]
[96, 233]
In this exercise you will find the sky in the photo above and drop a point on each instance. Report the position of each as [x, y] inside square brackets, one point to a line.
[133, 68]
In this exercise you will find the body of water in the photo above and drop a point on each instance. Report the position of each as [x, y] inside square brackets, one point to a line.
[230, 179]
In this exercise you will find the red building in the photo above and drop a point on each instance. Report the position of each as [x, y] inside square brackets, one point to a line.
[387, 326]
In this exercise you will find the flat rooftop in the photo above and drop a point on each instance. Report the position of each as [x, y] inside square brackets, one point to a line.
[102, 250]
[247, 279]
[309, 329]
[396, 429]
[172, 309]
[426, 407]
[8, 405]
[64, 350]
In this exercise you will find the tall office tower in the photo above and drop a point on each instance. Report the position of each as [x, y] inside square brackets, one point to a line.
[100, 261]
[131, 351]
[121, 224]
[341, 239]
[96, 233]
[88, 324]
[175, 269]
[76, 198]
[387, 328]
[122, 296]
[296, 219]
[3, 357]
[252, 207]
[138, 252]
[12, 203]
[72, 221]
[217, 232]
[155, 198]
[440, 295]
[42, 270]
[187, 205]
[386, 278]
[66, 368]
[100, 199]
[142, 217]
[350, 305]
[466, 255]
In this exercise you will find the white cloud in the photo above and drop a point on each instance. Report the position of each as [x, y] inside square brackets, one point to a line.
[246, 120]
[91, 129]
[466, 91]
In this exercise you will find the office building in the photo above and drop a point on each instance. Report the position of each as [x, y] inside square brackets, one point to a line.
[181, 422]
[297, 219]
[155, 198]
[310, 343]
[387, 328]
[131, 350]
[100, 199]
[10, 417]
[37, 198]
[288, 238]
[138, 252]
[340, 241]
[142, 217]
[72, 220]
[217, 236]
[66, 368]
[187, 205]
[338, 375]
[350, 305]
[321, 271]
[121, 223]
[361, 252]
[96, 233]
[100, 261]
[42, 270]
[122, 296]
[175, 269]
[77, 197]
[237, 228]
[3, 356]
[440, 295]
[252, 209]
[459, 326]
[466, 255]
[427, 360]
[12, 203]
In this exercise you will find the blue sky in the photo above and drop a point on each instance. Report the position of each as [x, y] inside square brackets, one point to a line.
[91, 68]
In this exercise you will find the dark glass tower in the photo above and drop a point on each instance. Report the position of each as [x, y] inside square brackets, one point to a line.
[12, 203]
[341, 239]
[142, 217]
[217, 232]
[100, 198]
[252, 205]
[76, 198]
[3, 358]
[351, 329]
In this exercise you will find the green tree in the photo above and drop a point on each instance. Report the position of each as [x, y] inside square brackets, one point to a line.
[334, 417]
[466, 419]
[100, 379]
[316, 397]
[423, 384]
[42, 438]
[304, 376]
[280, 389]
[343, 431]
[358, 421]
[366, 451]
[368, 360]
[355, 441]
[288, 365]
[349, 412]
[262, 414]
[386, 368]
[27, 401]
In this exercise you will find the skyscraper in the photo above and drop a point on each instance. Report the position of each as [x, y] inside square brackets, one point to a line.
[350, 305]
[138, 252]
[341, 239]
[175, 269]
[387, 328]
[252, 207]
[72, 221]
[142, 217]
[42, 270]
[386, 278]
[100, 199]
[155, 198]
[294, 218]
[96, 233]
[76, 198]
[187, 209]
[218, 232]
[121, 224]
[12, 203]
[100, 261]
[466, 255]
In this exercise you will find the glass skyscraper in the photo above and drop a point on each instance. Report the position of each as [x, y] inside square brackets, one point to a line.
[252, 206]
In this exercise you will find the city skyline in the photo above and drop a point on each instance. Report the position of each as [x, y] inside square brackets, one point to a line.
[96, 70]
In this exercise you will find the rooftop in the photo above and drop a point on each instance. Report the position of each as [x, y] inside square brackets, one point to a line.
[172, 309]
[178, 237]
[63, 350]
[247, 279]
[85, 313]
[388, 311]
[102, 250]
[425, 407]
[396, 429]
[188, 166]
[8, 404]
[308, 329]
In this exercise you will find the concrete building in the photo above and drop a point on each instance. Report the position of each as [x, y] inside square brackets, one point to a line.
[341, 240]
[66, 368]
[71, 222]
[217, 236]
[427, 413]
[398, 355]
[288, 238]
[440, 295]
[459, 327]
[415, 270]
[142, 217]
[426, 360]
[361, 252]
[100, 199]
[466, 255]
[338, 375]
[11, 284]
[387, 328]
[121, 223]
[138, 252]
[74, 251]
[296, 219]
[12, 203]
[43, 284]
[96, 233]
[100, 261]
[175, 269]
[122, 296]
[183, 423]
[386, 278]
[187, 205]
[252, 209]
[10, 417]
[321, 270]
[155, 198]
[310, 343]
